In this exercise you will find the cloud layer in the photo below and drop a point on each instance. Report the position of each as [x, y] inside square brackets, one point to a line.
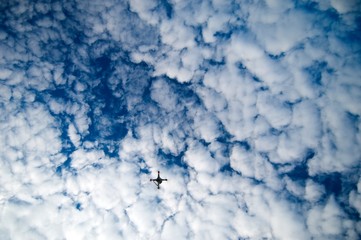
[251, 110]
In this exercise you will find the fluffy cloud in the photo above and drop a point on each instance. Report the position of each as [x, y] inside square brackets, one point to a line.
[251, 111]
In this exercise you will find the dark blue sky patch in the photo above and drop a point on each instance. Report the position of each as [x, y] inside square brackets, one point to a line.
[340, 186]
[146, 96]
[106, 123]
[118, 131]
[58, 171]
[309, 154]
[102, 97]
[59, 93]
[277, 57]
[204, 142]
[354, 119]
[241, 66]
[256, 79]
[78, 206]
[65, 166]
[170, 160]
[315, 72]
[244, 144]
[352, 213]
[225, 137]
[349, 183]
[101, 66]
[198, 30]
[67, 147]
[263, 88]
[144, 171]
[308, 6]
[215, 62]
[76, 32]
[353, 37]
[299, 172]
[227, 169]
[332, 182]
[224, 35]
[110, 148]
[168, 7]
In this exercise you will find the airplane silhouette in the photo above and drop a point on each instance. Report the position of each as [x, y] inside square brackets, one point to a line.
[158, 180]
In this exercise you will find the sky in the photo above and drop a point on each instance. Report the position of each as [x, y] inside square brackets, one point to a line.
[251, 110]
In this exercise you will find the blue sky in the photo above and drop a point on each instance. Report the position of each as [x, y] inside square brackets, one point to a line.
[251, 109]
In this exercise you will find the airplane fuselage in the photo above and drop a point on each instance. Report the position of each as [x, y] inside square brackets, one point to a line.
[158, 180]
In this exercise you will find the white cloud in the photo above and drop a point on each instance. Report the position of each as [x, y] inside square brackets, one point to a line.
[346, 7]
[177, 228]
[355, 197]
[226, 100]
[242, 161]
[277, 113]
[244, 49]
[327, 220]
[198, 157]
[313, 191]
[176, 34]
[5, 73]
[266, 143]
[145, 10]
[338, 143]
[280, 34]
[206, 125]
[306, 120]
[294, 187]
[290, 147]
[73, 135]
[164, 95]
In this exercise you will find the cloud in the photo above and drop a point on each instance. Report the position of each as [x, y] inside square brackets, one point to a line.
[347, 7]
[327, 219]
[251, 111]
[198, 157]
[313, 191]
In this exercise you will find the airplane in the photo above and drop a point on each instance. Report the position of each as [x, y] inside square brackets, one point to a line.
[158, 180]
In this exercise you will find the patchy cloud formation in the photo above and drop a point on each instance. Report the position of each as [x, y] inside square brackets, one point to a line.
[251, 109]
